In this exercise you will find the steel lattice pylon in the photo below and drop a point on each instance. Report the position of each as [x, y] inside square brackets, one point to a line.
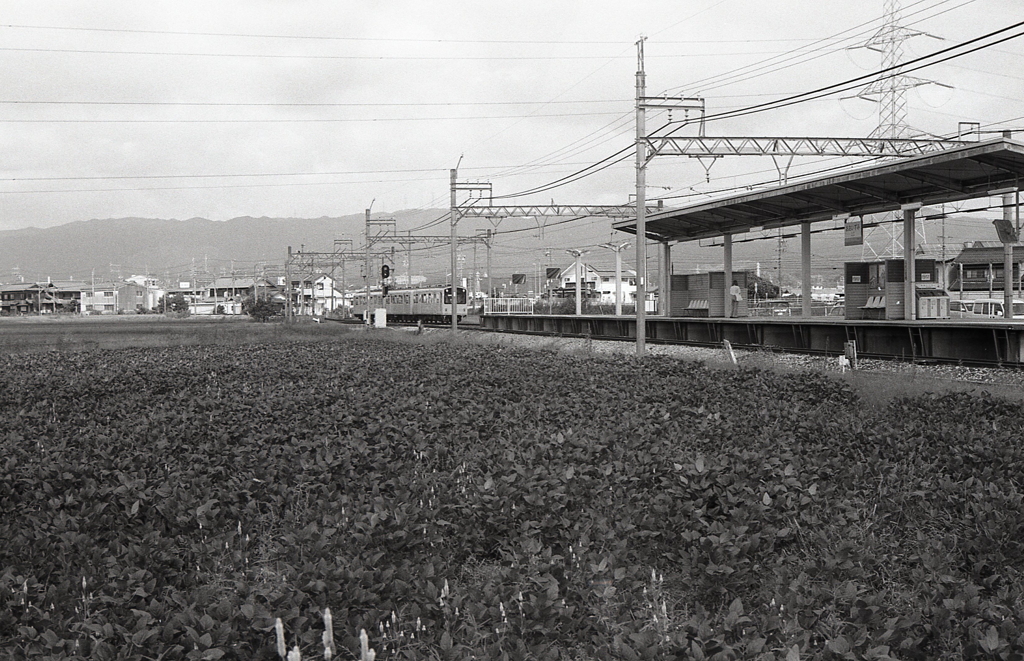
[889, 91]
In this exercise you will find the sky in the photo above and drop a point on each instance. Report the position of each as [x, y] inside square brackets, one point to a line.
[310, 108]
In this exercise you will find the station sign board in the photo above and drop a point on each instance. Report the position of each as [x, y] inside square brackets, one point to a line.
[854, 232]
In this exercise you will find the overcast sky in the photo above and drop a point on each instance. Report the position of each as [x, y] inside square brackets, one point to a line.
[313, 108]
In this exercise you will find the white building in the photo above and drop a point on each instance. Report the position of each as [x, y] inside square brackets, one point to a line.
[600, 281]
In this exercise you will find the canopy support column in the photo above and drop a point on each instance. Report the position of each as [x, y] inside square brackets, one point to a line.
[909, 252]
[727, 267]
[805, 270]
[666, 279]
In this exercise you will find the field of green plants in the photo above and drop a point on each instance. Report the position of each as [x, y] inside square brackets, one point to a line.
[461, 501]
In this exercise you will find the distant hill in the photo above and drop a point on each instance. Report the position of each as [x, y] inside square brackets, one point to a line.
[158, 246]
[167, 247]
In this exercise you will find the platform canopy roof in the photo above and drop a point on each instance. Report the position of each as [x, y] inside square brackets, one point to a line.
[947, 176]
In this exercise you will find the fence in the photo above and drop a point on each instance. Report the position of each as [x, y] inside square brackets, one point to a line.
[508, 306]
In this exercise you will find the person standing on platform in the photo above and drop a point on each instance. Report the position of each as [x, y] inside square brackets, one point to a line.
[735, 295]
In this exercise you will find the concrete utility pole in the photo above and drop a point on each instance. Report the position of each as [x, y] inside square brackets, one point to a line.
[641, 205]
[366, 268]
[288, 286]
[456, 215]
[579, 300]
[617, 248]
[454, 219]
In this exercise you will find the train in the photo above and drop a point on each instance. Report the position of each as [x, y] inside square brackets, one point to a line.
[426, 304]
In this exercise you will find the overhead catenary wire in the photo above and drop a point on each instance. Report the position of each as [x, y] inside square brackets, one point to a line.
[765, 67]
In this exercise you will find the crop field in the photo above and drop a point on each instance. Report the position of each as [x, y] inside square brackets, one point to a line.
[48, 333]
[461, 501]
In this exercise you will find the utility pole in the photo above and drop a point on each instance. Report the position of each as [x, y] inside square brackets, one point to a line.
[641, 205]
[288, 286]
[617, 248]
[454, 220]
[455, 186]
[366, 267]
[343, 243]
[579, 300]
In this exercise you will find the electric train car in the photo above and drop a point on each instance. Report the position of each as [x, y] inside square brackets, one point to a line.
[429, 304]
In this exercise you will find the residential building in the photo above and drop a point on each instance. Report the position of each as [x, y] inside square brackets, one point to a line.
[978, 270]
[316, 295]
[26, 298]
[599, 283]
[99, 298]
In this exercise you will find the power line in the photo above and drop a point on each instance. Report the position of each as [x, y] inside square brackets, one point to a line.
[846, 85]
[376, 39]
[309, 105]
[772, 65]
[402, 58]
[298, 120]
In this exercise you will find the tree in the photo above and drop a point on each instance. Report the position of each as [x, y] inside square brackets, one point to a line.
[760, 288]
[70, 306]
[260, 309]
[174, 303]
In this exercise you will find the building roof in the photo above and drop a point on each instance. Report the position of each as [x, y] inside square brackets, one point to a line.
[947, 176]
[70, 285]
[239, 283]
[22, 286]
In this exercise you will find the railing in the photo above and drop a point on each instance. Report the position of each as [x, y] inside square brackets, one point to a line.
[508, 306]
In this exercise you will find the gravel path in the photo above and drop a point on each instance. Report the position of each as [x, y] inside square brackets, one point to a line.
[1012, 378]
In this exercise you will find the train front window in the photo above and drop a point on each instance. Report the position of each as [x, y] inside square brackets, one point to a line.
[461, 296]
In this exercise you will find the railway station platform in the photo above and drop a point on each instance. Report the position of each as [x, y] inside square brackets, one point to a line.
[988, 342]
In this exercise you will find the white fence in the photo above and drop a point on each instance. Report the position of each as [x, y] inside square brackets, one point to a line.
[508, 306]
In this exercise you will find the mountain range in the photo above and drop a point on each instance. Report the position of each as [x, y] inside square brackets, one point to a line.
[174, 249]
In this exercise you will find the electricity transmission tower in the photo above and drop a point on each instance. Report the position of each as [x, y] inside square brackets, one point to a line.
[889, 91]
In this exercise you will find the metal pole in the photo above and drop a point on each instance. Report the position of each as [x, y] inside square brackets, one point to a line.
[490, 285]
[454, 219]
[641, 203]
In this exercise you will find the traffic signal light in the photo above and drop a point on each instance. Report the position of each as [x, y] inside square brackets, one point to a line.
[385, 271]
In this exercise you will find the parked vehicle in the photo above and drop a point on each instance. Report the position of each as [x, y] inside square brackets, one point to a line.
[984, 308]
[961, 309]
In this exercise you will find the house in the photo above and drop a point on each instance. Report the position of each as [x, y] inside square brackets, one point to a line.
[978, 269]
[316, 294]
[133, 298]
[26, 298]
[69, 294]
[599, 283]
[99, 298]
[232, 288]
